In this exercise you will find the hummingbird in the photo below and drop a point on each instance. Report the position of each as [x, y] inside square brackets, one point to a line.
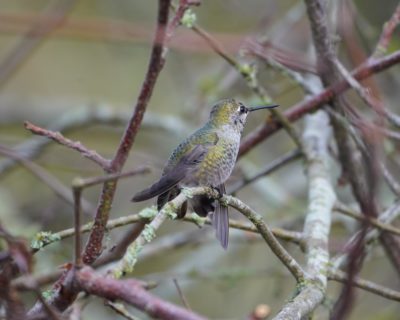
[205, 158]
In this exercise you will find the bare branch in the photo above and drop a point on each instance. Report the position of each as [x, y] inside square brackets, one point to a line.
[387, 32]
[120, 309]
[287, 158]
[59, 138]
[386, 217]
[181, 295]
[321, 197]
[341, 208]
[290, 263]
[317, 101]
[132, 292]
[85, 116]
[366, 285]
[287, 235]
[127, 263]
[157, 59]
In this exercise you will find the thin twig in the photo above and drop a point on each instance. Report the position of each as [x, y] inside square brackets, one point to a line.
[77, 221]
[341, 208]
[290, 263]
[86, 116]
[83, 183]
[287, 235]
[120, 309]
[59, 138]
[386, 34]
[271, 167]
[181, 295]
[63, 298]
[366, 285]
[317, 101]
[386, 217]
[94, 244]
[78, 186]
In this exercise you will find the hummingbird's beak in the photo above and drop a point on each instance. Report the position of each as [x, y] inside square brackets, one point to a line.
[263, 107]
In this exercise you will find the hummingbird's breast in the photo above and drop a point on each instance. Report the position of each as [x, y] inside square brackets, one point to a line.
[222, 145]
[217, 165]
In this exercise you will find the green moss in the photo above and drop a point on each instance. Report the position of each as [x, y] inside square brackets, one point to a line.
[77, 182]
[199, 221]
[189, 18]
[148, 233]
[247, 69]
[43, 238]
[129, 260]
[148, 213]
[170, 211]
[187, 192]
[47, 294]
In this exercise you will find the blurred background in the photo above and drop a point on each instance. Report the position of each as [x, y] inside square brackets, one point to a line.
[77, 66]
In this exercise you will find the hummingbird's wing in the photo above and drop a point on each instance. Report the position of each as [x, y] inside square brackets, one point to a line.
[185, 165]
[220, 220]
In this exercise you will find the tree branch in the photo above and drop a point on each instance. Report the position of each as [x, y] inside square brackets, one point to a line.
[310, 104]
[157, 60]
[59, 138]
[132, 292]
[321, 197]
[366, 285]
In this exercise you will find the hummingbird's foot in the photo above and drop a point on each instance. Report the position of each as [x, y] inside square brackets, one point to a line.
[219, 191]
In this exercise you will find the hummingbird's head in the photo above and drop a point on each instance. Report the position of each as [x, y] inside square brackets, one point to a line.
[232, 112]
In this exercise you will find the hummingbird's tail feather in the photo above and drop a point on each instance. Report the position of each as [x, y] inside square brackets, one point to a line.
[220, 221]
[173, 176]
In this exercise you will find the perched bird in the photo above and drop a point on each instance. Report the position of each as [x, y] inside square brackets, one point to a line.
[205, 158]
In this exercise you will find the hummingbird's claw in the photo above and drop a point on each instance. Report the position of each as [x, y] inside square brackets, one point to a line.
[219, 191]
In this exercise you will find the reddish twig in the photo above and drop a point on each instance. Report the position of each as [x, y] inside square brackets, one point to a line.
[77, 192]
[75, 145]
[120, 309]
[337, 275]
[132, 292]
[78, 185]
[387, 32]
[94, 244]
[65, 293]
[311, 104]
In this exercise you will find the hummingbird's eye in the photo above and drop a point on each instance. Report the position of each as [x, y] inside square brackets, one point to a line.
[243, 109]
